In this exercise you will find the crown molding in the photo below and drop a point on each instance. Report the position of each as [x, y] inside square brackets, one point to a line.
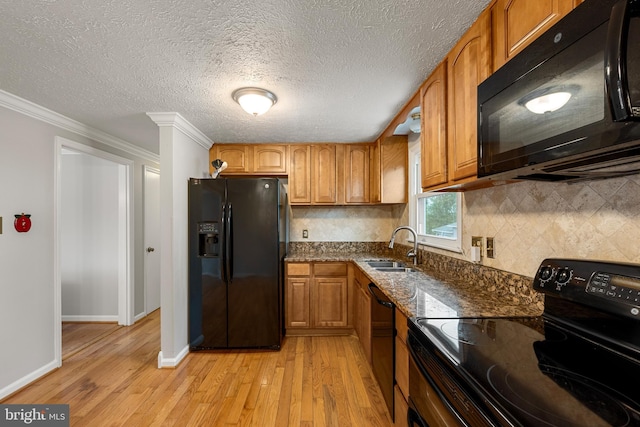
[175, 120]
[28, 108]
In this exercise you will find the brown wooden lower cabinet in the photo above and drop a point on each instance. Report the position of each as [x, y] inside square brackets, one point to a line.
[401, 407]
[362, 309]
[329, 298]
[317, 298]
[401, 394]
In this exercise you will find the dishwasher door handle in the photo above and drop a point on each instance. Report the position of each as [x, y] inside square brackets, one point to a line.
[387, 304]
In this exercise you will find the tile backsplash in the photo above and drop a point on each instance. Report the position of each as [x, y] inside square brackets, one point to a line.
[345, 223]
[529, 221]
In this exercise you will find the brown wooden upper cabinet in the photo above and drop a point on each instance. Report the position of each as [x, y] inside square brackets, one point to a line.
[251, 159]
[433, 135]
[236, 156]
[357, 168]
[516, 23]
[323, 174]
[468, 64]
[300, 174]
[391, 169]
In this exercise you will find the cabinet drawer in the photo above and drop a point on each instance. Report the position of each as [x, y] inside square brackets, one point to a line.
[402, 366]
[330, 269]
[298, 269]
[401, 326]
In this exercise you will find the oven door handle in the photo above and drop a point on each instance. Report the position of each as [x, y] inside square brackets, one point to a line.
[387, 304]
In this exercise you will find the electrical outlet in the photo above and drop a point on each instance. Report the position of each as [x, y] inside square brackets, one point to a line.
[305, 234]
[491, 247]
[477, 241]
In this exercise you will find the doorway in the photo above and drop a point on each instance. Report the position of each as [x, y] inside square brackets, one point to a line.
[151, 191]
[93, 237]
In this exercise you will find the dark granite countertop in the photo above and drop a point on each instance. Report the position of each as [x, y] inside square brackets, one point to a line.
[421, 294]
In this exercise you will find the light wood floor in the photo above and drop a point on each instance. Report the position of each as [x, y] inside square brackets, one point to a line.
[312, 381]
[79, 335]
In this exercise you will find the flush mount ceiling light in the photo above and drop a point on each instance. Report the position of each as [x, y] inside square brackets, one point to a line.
[547, 100]
[254, 100]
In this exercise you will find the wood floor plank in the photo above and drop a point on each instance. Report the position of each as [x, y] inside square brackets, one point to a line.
[311, 381]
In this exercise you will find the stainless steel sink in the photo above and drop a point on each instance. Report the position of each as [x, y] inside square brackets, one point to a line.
[385, 264]
[395, 269]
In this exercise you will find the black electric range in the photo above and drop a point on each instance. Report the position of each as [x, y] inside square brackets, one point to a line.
[576, 365]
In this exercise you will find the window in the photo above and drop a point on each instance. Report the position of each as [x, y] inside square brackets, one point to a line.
[437, 217]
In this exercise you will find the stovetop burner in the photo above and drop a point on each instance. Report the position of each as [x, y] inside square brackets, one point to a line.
[543, 374]
[606, 410]
[577, 365]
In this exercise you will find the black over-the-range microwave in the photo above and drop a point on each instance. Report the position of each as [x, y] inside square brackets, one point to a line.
[568, 106]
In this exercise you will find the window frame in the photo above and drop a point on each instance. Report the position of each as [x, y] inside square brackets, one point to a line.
[416, 195]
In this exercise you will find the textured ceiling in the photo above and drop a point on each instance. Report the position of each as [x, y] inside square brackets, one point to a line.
[341, 69]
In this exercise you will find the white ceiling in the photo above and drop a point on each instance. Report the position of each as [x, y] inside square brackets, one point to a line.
[341, 69]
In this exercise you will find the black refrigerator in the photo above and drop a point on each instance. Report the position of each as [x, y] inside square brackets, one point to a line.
[238, 237]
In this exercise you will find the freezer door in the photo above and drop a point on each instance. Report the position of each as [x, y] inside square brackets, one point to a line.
[254, 291]
[207, 288]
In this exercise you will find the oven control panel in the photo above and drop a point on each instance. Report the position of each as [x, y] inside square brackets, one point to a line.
[610, 286]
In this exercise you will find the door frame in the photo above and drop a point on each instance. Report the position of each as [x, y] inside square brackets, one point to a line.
[125, 235]
[145, 170]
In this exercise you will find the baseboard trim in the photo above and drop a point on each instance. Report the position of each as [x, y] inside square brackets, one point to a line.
[85, 318]
[166, 362]
[28, 379]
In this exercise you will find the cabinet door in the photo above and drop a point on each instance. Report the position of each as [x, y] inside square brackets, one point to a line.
[375, 189]
[394, 168]
[323, 174]
[469, 63]
[401, 408]
[365, 321]
[297, 303]
[300, 174]
[517, 23]
[402, 353]
[270, 159]
[356, 173]
[236, 156]
[433, 136]
[329, 301]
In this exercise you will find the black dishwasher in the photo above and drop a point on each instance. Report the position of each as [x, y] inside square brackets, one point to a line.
[383, 330]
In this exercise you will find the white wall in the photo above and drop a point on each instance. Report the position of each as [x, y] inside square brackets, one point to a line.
[27, 326]
[184, 153]
[89, 237]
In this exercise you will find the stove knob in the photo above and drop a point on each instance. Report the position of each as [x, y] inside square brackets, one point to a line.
[545, 273]
[564, 275]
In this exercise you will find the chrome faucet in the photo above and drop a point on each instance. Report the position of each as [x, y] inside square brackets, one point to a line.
[412, 253]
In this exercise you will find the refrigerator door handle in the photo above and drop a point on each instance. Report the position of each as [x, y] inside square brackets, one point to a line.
[229, 246]
[224, 247]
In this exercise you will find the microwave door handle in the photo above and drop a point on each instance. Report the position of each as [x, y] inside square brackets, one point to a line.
[615, 66]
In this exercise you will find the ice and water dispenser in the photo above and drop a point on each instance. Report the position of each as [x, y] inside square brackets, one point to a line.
[209, 239]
